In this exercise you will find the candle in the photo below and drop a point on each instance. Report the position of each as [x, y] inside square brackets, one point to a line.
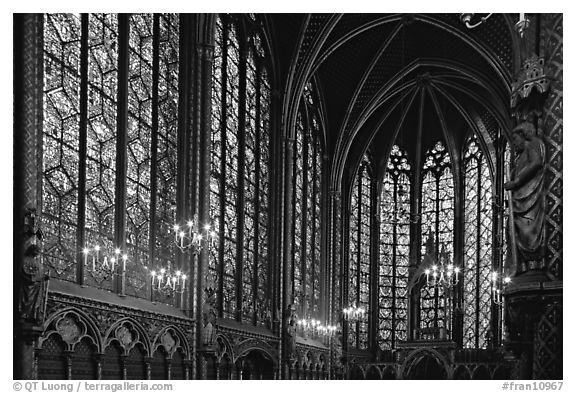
[176, 232]
[112, 263]
[182, 239]
[124, 258]
[85, 251]
[183, 282]
[160, 278]
[153, 276]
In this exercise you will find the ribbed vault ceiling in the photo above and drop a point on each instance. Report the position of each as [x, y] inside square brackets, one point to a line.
[392, 77]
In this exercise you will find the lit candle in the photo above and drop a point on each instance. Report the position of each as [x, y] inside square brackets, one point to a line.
[190, 225]
[153, 276]
[160, 278]
[174, 279]
[427, 271]
[183, 282]
[182, 239]
[124, 259]
[112, 263]
[176, 227]
[97, 248]
[85, 251]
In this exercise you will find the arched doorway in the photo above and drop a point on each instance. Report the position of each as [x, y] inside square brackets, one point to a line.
[257, 365]
[425, 365]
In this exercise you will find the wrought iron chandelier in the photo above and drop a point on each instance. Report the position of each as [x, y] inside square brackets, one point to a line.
[192, 237]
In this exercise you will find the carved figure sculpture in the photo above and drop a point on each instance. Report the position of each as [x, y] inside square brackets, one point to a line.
[290, 331]
[527, 200]
[209, 319]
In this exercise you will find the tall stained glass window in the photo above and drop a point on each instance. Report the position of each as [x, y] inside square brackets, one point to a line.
[394, 250]
[80, 156]
[229, 185]
[477, 246]
[167, 135]
[307, 207]
[101, 137]
[138, 182]
[359, 256]
[61, 142]
[438, 224]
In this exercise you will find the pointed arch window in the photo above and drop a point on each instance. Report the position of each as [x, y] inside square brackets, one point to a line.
[477, 246]
[394, 250]
[240, 162]
[438, 224]
[307, 206]
[359, 254]
[82, 185]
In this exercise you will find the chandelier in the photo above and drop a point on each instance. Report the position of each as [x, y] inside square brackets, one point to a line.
[521, 26]
[497, 285]
[167, 280]
[313, 328]
[102, 261]
[353, 313]
[191, 237]
[443, 274]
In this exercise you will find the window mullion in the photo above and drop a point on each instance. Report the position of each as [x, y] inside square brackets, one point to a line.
[83, 132]
[121, 141]
[154, 139]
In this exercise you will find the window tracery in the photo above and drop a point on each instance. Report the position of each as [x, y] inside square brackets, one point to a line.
[437, 211]
[394, 250]
[477, 246]
[359, 254]
[96, 187]
[230, 145]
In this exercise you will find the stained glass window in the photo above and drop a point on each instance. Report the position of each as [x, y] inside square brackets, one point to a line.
[64, 140]
[299, 195]
[61, 142]
[477, 246]
[138, 180]
[101, 136]
[228, 146]
[231, 170]
[218, 148]
[359, 256]
[437, 223]
[166, 158]
[506, 208]
[307, 207]
[394, 250]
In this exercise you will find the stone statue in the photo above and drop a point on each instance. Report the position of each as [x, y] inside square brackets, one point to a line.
[290, 332]
[526, 185]
[34, 282]
[209, 319]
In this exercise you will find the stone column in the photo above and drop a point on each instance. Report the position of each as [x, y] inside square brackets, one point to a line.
[30, 289]
[288, 254]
